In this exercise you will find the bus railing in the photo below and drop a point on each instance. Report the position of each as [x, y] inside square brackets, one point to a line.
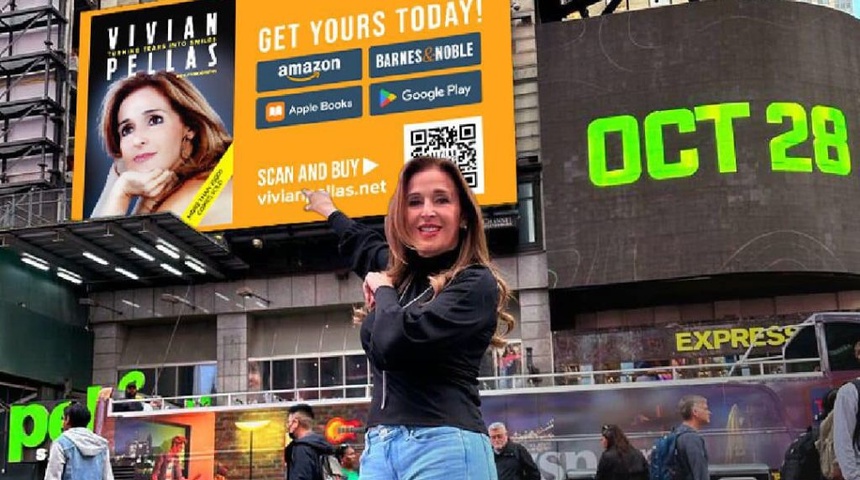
[751, 370]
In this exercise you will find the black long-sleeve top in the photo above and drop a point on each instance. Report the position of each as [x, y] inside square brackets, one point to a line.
[424, 354]
[615, 465]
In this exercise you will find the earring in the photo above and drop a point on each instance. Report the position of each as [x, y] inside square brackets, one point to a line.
[186, 149]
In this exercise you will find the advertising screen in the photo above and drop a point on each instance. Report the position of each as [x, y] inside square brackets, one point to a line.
[222, 111]
[146, 446]
[700, 139]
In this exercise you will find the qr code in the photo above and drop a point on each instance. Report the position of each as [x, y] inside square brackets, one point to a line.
[459, 139]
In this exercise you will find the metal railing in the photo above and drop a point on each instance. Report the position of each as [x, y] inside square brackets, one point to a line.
[752, 370]
[748, 370]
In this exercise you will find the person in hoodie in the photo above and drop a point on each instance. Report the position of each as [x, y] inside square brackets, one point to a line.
[690, 443]
[78, 454]
[620, 460]
[302, 455]
[433, 305]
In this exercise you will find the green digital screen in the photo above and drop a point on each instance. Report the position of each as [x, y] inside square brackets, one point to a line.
[823, 127]
[712, 138]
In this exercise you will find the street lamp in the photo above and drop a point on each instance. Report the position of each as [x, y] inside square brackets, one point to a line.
[250, 426]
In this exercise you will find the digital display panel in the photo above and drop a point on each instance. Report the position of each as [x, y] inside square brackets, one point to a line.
[708, 138]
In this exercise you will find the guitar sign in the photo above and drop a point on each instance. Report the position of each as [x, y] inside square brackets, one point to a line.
[338, 430]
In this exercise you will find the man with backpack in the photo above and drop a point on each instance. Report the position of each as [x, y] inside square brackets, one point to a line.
[681, 454]
[690, 444]
[844, 431]
[308, 456]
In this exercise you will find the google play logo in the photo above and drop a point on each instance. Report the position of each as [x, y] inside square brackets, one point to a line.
[385, 97]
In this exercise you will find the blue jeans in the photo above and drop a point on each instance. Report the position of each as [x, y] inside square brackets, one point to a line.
[426, 453]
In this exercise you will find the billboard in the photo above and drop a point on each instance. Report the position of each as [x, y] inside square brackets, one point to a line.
[675, 146]
[180, 110]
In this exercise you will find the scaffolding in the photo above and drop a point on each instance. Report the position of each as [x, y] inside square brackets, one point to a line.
[35, 93]
[35, 207]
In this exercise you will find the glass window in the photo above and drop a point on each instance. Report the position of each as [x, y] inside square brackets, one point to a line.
[356, 374]
[526, 204]
[283, 375]
[310, 374]
[331, 375]
[843, 345]
[206, 377]
[258, 375]
[166, 384]
[185, 380]
[173, 381]
[307, 376]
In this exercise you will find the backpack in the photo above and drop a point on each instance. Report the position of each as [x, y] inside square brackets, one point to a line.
[827, 454]
[330, 467]
[801, 459]
[665, 461]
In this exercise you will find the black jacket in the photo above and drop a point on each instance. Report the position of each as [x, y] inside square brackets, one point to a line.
[514, 462]
[303, 457]
[614, 465]
[424, 356]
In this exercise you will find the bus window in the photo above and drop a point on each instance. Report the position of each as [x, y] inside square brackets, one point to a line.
[803, 344]
[843, 345]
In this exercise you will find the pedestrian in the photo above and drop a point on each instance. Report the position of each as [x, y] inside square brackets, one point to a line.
[78, 454]
[844, 431]
[433, 305]
[692, 453]
[129, 405]
[348, 458]
[619, 460]
[302, 455]
[513, 460]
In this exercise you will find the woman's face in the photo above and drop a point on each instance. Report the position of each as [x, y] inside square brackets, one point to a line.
[432, 212]
[350, 459]
[604, 442]
[255, 380]
[150, 131]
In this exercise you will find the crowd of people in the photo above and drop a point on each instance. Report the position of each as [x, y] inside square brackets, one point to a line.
[620, 460]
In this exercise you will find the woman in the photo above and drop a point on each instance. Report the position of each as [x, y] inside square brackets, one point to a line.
[619, 461]
[165, 139]
[433, 305]
[348, 458]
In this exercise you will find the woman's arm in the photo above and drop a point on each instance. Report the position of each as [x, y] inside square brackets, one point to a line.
[128, 185]
[101, 204]
[466, 306]
[365, 247]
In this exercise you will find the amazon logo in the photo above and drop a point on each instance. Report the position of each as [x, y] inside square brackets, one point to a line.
[308, 70]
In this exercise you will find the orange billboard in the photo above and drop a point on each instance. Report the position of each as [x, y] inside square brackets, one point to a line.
[222, 112]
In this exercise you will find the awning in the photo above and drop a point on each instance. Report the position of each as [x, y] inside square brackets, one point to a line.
[123, 252]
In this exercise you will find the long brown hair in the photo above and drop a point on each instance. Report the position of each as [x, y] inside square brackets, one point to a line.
[615, 438]
[473, 241]
[211, 138]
